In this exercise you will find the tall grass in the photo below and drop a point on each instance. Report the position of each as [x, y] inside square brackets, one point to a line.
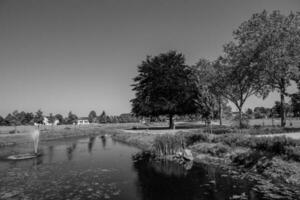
[168, 144]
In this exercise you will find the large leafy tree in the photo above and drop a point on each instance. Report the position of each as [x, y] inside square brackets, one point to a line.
[274, 40]
[237, 78]
[163, 87]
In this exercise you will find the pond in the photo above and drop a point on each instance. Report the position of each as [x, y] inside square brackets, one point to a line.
[101, 168]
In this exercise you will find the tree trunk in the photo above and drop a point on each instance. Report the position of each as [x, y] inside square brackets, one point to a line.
[171, 122]
[240, 117]
[282, 110]
[220, 111]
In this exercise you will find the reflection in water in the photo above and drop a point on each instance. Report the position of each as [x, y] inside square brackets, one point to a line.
[169, 180]
[70, 150]
[91, 143]
[103, 141]
[37, 161]
[50, 153]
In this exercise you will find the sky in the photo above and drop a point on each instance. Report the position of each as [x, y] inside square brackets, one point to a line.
[81, 55]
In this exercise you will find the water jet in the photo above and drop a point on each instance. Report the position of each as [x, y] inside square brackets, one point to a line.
[35, 135]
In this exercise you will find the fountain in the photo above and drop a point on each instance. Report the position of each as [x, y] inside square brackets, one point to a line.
[35, 134]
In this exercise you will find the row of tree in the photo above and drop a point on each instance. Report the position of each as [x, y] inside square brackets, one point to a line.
[263, 57]
[291, 110]
[17, 118]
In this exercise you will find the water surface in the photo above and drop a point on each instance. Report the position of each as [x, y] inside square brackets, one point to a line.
[100, 168]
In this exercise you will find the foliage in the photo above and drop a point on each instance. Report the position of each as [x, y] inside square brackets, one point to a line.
[38, 117]
[275, 145]
[232, 140]
[103, 118]
[242, 120]
[163, 87]
[214, 149]
[92, 116]
[168, 144]
[71, 119]
[60, 118]
[51, 118]
[295, 104]
[293, 152]
[274, 39]
[194, 137]
[206, 98]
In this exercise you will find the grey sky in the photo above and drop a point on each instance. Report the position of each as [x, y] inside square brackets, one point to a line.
[62, 55]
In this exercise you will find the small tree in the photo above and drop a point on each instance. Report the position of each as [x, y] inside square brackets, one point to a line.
[72, 118]
[103, 118]
[163, 87]
[60, 118]
[51, 118]
[295, 101]
[39, 118]
[92, 116]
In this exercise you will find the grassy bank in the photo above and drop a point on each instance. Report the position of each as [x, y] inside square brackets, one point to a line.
[48, 133]
[277, 158]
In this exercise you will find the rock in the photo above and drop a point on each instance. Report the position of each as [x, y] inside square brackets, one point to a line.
[187, 154]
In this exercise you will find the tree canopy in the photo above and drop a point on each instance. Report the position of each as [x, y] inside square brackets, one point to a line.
[272, 44]
[163, 87]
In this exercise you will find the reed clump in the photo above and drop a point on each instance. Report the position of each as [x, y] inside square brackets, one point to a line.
[168, 144]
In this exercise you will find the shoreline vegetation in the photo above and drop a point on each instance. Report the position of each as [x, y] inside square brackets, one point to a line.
[272, 161]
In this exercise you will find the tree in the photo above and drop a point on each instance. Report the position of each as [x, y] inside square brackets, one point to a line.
[39, 118]
[295, 101]
[103, 118]
[275, 41]
[2, 121]
[236, 77]
[72, 118]
[60, 118]
[92, 116]
[162, 87]
[28, 118]
[206, 97]
[249, 112]
[51, 118]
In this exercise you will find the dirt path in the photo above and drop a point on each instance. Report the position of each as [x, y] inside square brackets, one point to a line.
[291, 135]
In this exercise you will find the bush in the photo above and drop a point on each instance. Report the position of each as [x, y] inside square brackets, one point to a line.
[219, 131]
[293, 153]
[275, 145]
[192, 138]
[168, 144]
[217, 149]
[232, 140]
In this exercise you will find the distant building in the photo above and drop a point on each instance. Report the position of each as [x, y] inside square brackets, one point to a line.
[83, 121]
[47, 123]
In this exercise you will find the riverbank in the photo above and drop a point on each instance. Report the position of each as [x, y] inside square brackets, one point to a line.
[278, 174]
[49, 133]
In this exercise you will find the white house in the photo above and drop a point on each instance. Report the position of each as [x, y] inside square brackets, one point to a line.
[46, 122]
[83, 121]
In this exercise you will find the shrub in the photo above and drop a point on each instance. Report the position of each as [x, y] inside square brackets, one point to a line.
[217, 149]
[275, 145]
[168, 144]
[232, 139]
[192, 138]
[293, 152]
[219, 131]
